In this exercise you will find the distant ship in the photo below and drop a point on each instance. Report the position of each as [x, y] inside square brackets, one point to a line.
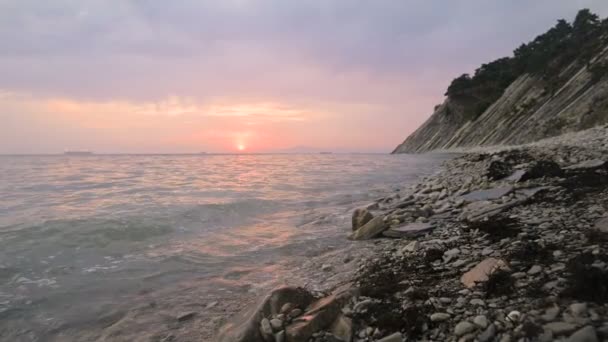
[78, 153]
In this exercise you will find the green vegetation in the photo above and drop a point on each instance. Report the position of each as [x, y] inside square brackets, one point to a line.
[547, 56]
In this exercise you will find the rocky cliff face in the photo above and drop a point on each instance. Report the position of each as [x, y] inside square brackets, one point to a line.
[525, 112]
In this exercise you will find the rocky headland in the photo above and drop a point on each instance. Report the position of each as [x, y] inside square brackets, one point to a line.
[502, 244]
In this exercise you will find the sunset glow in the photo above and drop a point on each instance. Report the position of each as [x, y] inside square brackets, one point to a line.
[233, 76]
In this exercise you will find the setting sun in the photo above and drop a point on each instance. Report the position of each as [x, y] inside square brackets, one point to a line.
[240, 147]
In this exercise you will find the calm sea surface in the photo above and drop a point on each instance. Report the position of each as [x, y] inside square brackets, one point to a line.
[83, 236]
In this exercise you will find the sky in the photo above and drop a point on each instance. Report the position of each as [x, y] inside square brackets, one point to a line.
[185, 76]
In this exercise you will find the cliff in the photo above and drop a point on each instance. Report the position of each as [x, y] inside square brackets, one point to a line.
[564, 97]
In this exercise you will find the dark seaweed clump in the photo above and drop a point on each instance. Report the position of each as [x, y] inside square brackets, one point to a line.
[586, 282]
[497, 228]
[500, 283]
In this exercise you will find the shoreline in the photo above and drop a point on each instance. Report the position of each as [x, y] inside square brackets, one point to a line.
[503, 243]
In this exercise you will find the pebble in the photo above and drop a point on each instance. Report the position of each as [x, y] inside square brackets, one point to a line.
[396, 337]
[536, 269]
[463, 328]
[477, 302]
[488, 334]
[578, 309]
[276, 324]
[295, 313]
[439, 317]
[481, 321]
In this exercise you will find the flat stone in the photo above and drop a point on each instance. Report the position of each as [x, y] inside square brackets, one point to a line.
[550, 314]
[411, 247]
[586, 334]
[587, 165]
[370, 230]
[410, 230]
[481, 271]
[396, 337]
[463, 328]
[487, 195]
[516, 176]
[560, 328]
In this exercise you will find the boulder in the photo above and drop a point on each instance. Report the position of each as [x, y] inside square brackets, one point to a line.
[319, 315]
[360, 218]
[245, 326]
[371, 229]
[410, 230]
[482, 271]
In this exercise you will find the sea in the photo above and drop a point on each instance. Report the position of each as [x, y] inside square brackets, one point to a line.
[117, 247]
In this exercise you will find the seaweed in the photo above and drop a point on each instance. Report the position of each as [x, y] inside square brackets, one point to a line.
[586, 282]
[496, 228]
[500, 283]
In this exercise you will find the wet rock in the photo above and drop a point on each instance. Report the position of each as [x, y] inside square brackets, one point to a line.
[498, 169]
[360, 218]
[319, 315]
[410, 230]
[286, 308]
[481, 271]
[586, 334]
[245, 326]
[396, 337]
[463, 328]
[370, 230]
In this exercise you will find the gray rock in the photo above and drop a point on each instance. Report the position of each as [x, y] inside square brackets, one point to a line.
[280, 336]
[602, 225]
[586, 334]
[587, 165]
[295, 313]
[360, 218]
[342, 328]
[396, 337]
[560, 328]
[488, 334]
[266, 330]
[536, 269]
[477, 302]
[276, 324]
[439, 317]
[411, 247]
[286, 308]
[481, 321]
[463, 328]
[185, 316]
[578, 309]
[550, 314]
[370, 230]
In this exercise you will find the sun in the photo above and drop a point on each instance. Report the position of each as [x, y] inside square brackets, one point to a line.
[240, 147]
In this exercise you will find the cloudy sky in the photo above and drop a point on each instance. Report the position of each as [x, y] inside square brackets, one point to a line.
[261, 75]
